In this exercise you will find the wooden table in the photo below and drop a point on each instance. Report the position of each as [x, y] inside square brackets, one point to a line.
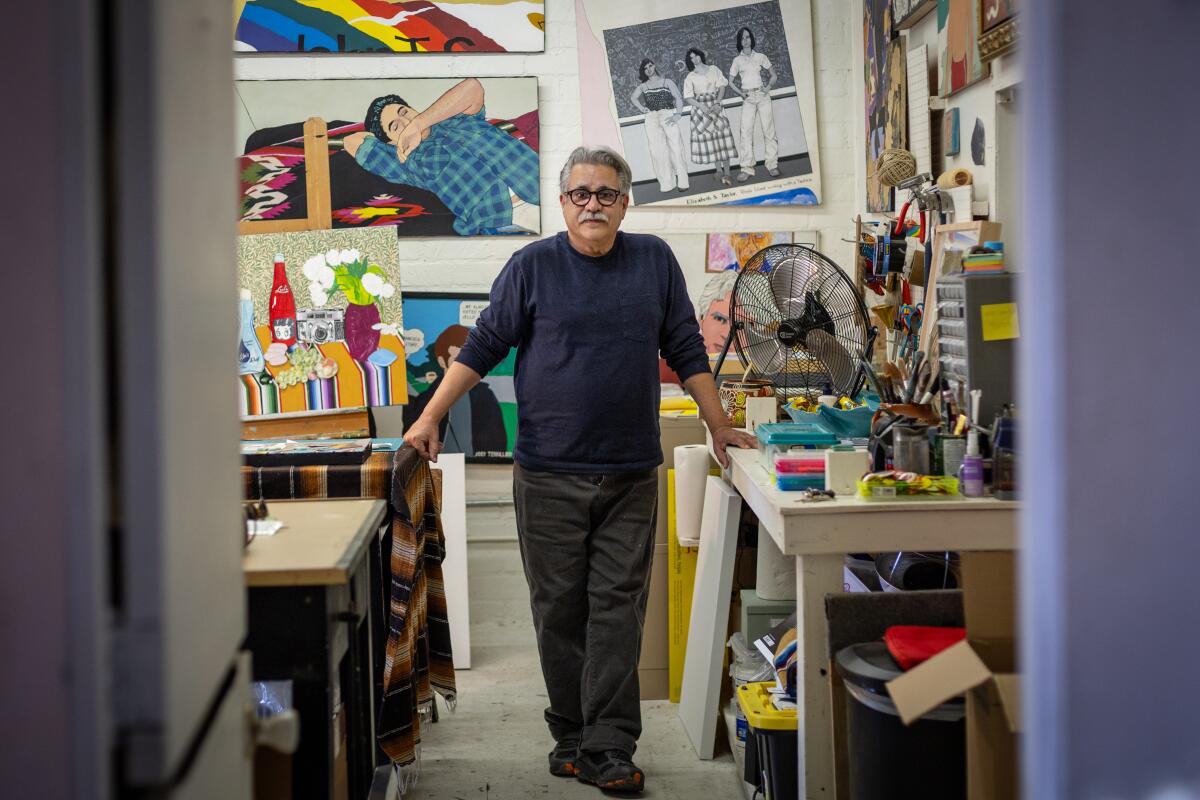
[310, 608]
[819, 535]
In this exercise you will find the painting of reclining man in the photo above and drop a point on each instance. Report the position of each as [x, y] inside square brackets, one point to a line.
[431, 157]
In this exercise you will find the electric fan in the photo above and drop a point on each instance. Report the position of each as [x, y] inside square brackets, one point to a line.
[796, 319]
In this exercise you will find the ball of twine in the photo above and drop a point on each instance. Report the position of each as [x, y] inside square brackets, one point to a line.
[894, 165]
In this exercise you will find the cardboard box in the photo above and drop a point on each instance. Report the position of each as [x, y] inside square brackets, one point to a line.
[984, 668]
[653, 683]
[654, 631]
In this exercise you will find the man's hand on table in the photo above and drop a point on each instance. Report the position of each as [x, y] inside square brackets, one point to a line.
[729, 436]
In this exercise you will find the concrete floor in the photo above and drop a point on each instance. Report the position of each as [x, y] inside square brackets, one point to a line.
[494, 747]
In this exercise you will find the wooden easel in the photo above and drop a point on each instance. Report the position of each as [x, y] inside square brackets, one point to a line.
[316, 187]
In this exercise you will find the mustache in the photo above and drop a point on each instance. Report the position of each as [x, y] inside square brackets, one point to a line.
[593, 215]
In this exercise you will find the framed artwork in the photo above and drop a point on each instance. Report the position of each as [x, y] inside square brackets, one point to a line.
[379, 26]
[959, 64]
[349, 154]
[733, 250]
[951, 132]
[906, 13]
[726, 253]
[710, 101]
[321, 319]
[885, 83]
[997, 27]
[483, 424]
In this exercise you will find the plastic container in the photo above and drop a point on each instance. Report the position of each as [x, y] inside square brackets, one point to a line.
[1004, 460]
[799, 482]
[780, 437]
[910, 451]
[843, 423]
[889, 759]
[746, 665]
[926, 487]
[771, 754]
[790, 464]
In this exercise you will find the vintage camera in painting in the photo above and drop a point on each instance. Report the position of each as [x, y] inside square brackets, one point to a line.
[320, 325]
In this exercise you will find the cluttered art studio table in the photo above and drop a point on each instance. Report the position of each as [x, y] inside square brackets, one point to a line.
[819, 535]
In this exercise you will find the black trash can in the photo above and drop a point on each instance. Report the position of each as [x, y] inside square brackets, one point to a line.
[887, 758]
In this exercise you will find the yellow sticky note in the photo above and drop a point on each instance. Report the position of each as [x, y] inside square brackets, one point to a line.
[1000, 322]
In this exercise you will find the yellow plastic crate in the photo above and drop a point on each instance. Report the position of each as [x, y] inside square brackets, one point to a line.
[761, 713]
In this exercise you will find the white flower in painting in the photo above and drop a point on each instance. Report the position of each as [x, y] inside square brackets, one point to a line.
[313, 266]
[349, 256]
[326, 278]
[372, 284]
[318, 295]
[387, 291]
[388, 329]
[333, 258]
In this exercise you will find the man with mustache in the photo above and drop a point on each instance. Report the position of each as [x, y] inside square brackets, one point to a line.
[588, 311]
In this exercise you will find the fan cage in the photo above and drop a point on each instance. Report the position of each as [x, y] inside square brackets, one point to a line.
[782, 295]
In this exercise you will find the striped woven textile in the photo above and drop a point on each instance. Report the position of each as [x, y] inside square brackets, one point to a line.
[418, 661]
[418, 658]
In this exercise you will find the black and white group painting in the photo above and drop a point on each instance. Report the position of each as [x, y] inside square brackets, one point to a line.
[711, 102]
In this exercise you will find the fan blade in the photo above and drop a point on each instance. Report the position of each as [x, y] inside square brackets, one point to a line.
[838, 363]
[788, 280]
[758, 339]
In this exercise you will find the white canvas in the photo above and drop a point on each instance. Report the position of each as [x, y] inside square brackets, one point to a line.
[454, 567]
[700, 695]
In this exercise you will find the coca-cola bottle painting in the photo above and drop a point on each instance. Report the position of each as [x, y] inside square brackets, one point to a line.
[283, 306]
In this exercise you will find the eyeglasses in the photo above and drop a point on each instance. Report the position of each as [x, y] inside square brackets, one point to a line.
[605, 196]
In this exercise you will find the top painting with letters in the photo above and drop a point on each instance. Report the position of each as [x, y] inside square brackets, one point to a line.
[390, 26]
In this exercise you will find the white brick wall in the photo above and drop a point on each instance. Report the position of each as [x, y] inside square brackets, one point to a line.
[472, 264]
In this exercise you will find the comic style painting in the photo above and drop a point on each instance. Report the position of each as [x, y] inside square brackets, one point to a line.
[320, 316]
[427, 157]
[714, 103]
[483, 424]
[733, 250]
[390, 26]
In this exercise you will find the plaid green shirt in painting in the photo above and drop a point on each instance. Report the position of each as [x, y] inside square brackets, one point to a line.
[469, 164]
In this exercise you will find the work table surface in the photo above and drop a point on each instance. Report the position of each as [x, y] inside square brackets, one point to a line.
[319, 543]
[854, 524]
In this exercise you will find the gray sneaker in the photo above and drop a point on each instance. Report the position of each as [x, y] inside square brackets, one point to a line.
[743, 176]
[611, 771]
[563, 758]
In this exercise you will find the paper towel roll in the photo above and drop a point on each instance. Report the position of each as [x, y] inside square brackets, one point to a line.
[954, 177]
[691, 470]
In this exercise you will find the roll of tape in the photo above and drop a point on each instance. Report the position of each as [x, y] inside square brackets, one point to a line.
[953, 178]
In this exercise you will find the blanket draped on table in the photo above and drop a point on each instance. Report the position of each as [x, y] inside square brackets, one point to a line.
[418, 654]
[418, 661]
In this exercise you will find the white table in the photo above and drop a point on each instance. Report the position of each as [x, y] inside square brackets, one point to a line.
[819, 535]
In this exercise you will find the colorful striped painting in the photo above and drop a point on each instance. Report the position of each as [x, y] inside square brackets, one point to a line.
[391, 26]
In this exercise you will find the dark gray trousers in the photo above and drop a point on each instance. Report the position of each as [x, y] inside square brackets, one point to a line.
[587, 542]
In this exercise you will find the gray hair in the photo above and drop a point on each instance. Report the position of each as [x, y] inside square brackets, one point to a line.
[599, 156]
[717, 287]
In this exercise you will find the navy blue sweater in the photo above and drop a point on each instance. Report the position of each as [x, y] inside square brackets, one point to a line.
[588, 332]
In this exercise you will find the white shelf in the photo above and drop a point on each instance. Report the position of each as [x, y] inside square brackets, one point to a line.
[739, 751]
